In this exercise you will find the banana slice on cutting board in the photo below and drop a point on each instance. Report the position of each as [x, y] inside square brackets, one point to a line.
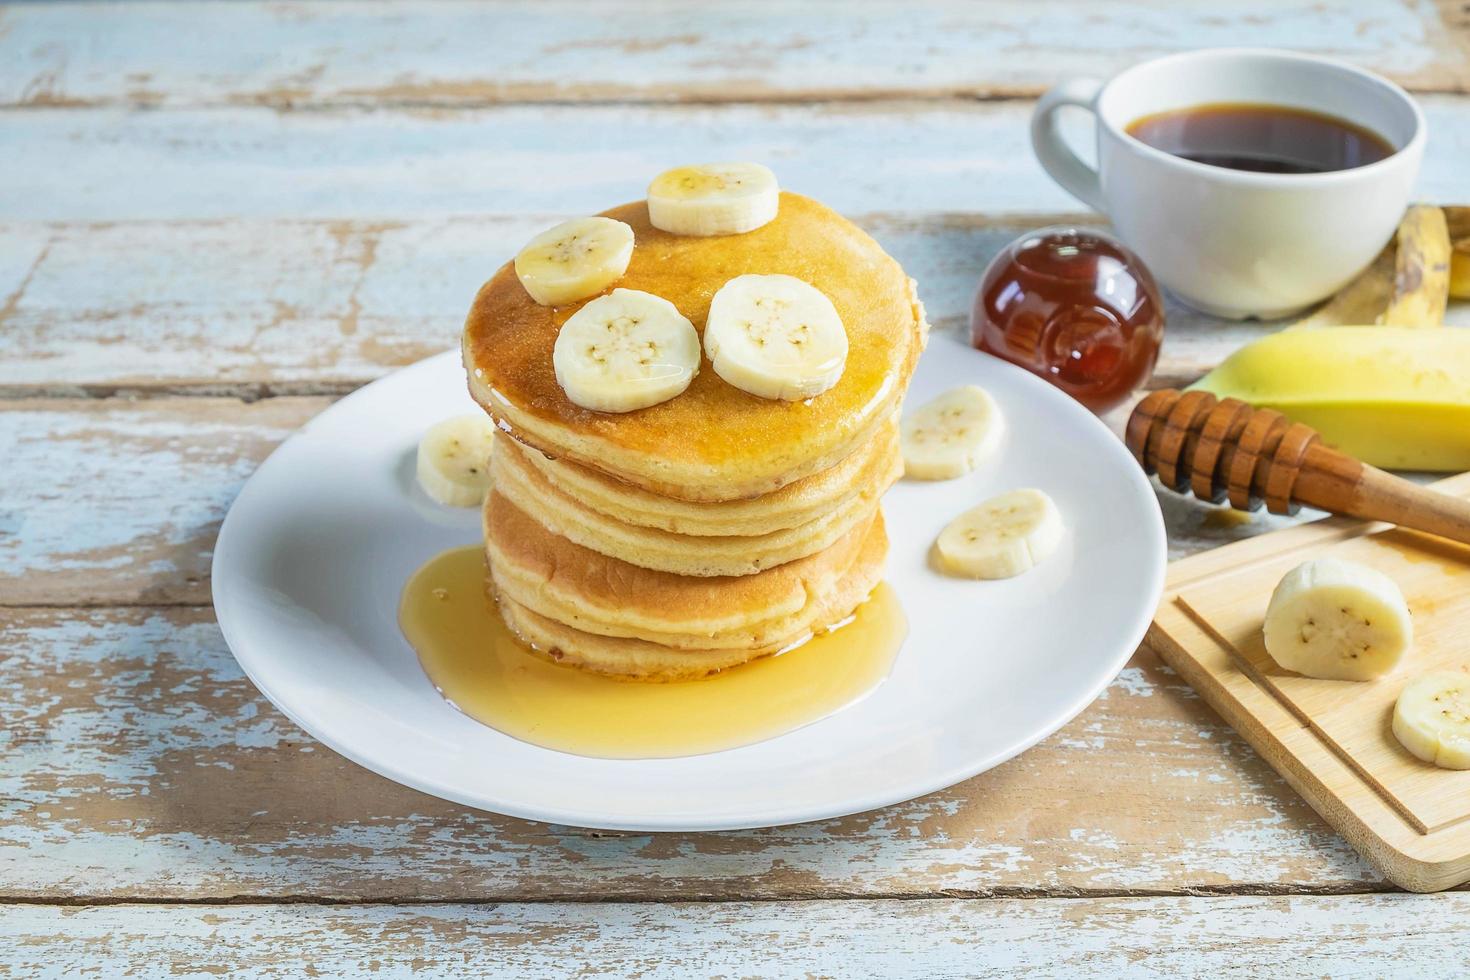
[454, 459]
[574, 260]
[948, 436]
[1432, 718]
[1338, 620]
[776, 337]
[713, 199]
[624, 351]
[1003, 537]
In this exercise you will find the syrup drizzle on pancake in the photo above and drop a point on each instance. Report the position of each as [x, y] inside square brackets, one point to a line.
[484, 670]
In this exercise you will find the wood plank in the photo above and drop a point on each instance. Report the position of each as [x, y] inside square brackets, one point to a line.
[113, 164]
[139, 764]
[108, 500]
[302, 306]
[292, 54]
[1361, 935]
[348, 163]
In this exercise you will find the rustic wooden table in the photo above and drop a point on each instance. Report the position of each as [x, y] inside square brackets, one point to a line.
[217, 218]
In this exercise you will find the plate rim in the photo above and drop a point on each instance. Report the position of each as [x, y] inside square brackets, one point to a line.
[892, 794]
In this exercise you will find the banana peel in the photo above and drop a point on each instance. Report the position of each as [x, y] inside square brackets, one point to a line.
[1460, 270]
[1411, 280]
[1421, 270]
[1361, 301]
[1395, 397]
[1458, 220]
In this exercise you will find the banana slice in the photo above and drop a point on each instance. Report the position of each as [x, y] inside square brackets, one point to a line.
[574, 260]
[1338, 620]
[1003, 537]
[454, 459]
[950, 435]
[1432, 719]
[776, 337]
[625, 351]
[713, 199]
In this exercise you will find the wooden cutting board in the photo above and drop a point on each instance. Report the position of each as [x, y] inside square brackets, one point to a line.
[1332, 740]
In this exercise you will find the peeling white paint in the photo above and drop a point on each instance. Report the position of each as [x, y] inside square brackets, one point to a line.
[245, 162]
[1165, 938]
[249, 52]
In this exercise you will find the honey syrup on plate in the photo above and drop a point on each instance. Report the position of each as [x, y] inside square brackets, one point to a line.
[484, 670]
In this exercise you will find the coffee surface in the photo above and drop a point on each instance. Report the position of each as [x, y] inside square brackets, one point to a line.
[1261, 138]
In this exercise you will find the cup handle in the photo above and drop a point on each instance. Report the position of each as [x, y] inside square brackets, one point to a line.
[1057, 158]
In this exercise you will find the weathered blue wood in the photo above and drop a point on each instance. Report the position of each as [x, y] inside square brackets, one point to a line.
[909, 158]
[105, 501]
[444, 53]
[1165, 938]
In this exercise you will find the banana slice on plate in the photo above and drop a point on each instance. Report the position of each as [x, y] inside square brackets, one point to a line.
[776, 337]
[713, 199]
[454, 458]
[1338, 620]
[1003, 537]
[949, 436]
[624, 351]
[574, 260]
[1432, 718]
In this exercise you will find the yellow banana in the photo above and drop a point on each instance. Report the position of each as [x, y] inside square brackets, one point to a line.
[1396, 397]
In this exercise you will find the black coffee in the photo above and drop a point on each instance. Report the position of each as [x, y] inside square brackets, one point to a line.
[1262, 138]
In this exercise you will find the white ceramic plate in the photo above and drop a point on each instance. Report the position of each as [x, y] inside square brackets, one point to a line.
[316, 548]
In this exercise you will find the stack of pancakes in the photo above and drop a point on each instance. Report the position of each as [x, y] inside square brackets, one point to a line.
[715, 527]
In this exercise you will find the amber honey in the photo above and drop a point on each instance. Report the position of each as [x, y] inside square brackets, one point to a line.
[484, 670]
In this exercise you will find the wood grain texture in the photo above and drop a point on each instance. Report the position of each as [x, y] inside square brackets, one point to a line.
[136, 762]
[107, 501]
[1298, 745]
[1359, 936]
[1434, 576]
[909, 157]
[296, 198]
[448, 54]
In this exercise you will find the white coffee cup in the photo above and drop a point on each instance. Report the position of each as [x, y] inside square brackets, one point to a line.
[1231, 242]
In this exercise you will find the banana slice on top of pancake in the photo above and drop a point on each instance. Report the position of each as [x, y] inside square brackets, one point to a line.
[625, 351]
[776, 337]
[574, 260]
[713, 199]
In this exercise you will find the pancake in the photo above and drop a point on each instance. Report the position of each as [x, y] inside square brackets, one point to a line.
[682, 554]
[714, 442]
[871, 469]
[593, 593]
[645, 660]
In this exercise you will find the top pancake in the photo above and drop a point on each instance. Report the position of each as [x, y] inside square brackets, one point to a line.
[714, 441]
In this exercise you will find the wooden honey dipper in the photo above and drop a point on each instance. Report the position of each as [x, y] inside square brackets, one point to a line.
[1228, 450]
